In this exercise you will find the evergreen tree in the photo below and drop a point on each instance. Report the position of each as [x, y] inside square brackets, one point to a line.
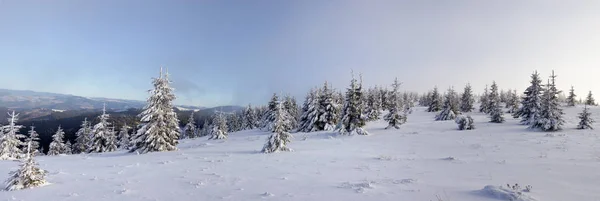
[124, 137]
[189, 131]
[590, 99]
[33, 139]
[280, 138]
[291, 107]
[373, 107]
[531, 101]
[484, 106]
[29, 175]
[160, 130]
[68, 148]
[467, 100]
[450, 108]
[84, 138]
[205, 129]
[327, 109]
[585, 118]
[269, 115]
[250, 118]
[352, 114]
[219, 127]
[394, 117]
[435, 101]
[101, 135]
[57, 146]
[10, 139]
[513, 103]
[571, 101]
[113, 142]
[550, 117]
[465, 122]
[310, 112]
[495, 109]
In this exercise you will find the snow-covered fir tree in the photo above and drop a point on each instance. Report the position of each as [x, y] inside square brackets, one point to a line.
[465, 122]
[250, 118]
[435, 101]
[373, 105]
[160, 130]
[269, 115]
[484, 104]
[124, 137]
[513, 103]
[327, 109]
[102, 137]
[353, 118]
[291, 107]
[585, 119]
[310, 112]
[408, 103]
[33, 139]
[590, 99]
[68, 148]
[572, 98]
[219, 127]
[29, 175]
[84, 138]
[450, 109]
[58, 146]
[494, 105]
[467, 100]
[113, 141]
[281, 137]
[550, 117]
[189, 131]
[531, 101]
[205, 129]
[10, 139]
[395, 117]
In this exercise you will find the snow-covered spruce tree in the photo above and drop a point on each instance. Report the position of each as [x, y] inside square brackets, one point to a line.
[467, 100]
[327, 109]
[484, 106]
[57, 146]
[84, 138]
[352, 114]
[435, 101]
[189, 131]
[160, 130]
[571, 99]
[531, 101]
[29, 175]
[68, 149]
[585, 119]
[219, 127]
[590, 99]
[373, 105]
[495, 109]
[33, 138]
[291, 107]
[395, 117]
[408, 103]
[10, 139]
[310, 112]
[124, 137]
[513, 103]
[281, 137]
[205, 129]
[101, 135]
[269, 113]
[450, 108]
[465, 122]
[550, 118]
[250, 118]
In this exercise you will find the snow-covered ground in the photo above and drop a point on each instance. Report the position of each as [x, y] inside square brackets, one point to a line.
[424, 160]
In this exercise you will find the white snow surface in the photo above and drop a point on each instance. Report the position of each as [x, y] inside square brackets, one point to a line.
[412, 163]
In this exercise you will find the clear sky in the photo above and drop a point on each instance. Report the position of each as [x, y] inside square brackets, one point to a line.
[223, 52]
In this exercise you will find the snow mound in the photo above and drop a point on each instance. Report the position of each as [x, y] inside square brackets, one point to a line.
[501, 193]
[358, 187]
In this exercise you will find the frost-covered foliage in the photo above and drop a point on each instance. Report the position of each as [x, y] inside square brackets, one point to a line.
[513, 102]
[10, 139]
[234, 122]
[124, 138]
[373, 104]
[206, 129]
[160, 130]
[589, 100]
[395, 117]
[450, 108]
[495, 109]
[102, 136]
[465, 122]
[550, 117]
[328, 109]
[58, 146]
[353, 118]
[189, 131]
[435, 101]
[531, 102]
[291, 107]
[310, 112]
[219, 127]
[585, 119]
[571, 100]
[269, 115]
[484, 105]
[29, 175]
[33, 139]
[467, 100]
[281, 137]
[84, 138]
[250, 118]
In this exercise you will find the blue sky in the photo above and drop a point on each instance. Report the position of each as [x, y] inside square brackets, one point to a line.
[239, 52]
